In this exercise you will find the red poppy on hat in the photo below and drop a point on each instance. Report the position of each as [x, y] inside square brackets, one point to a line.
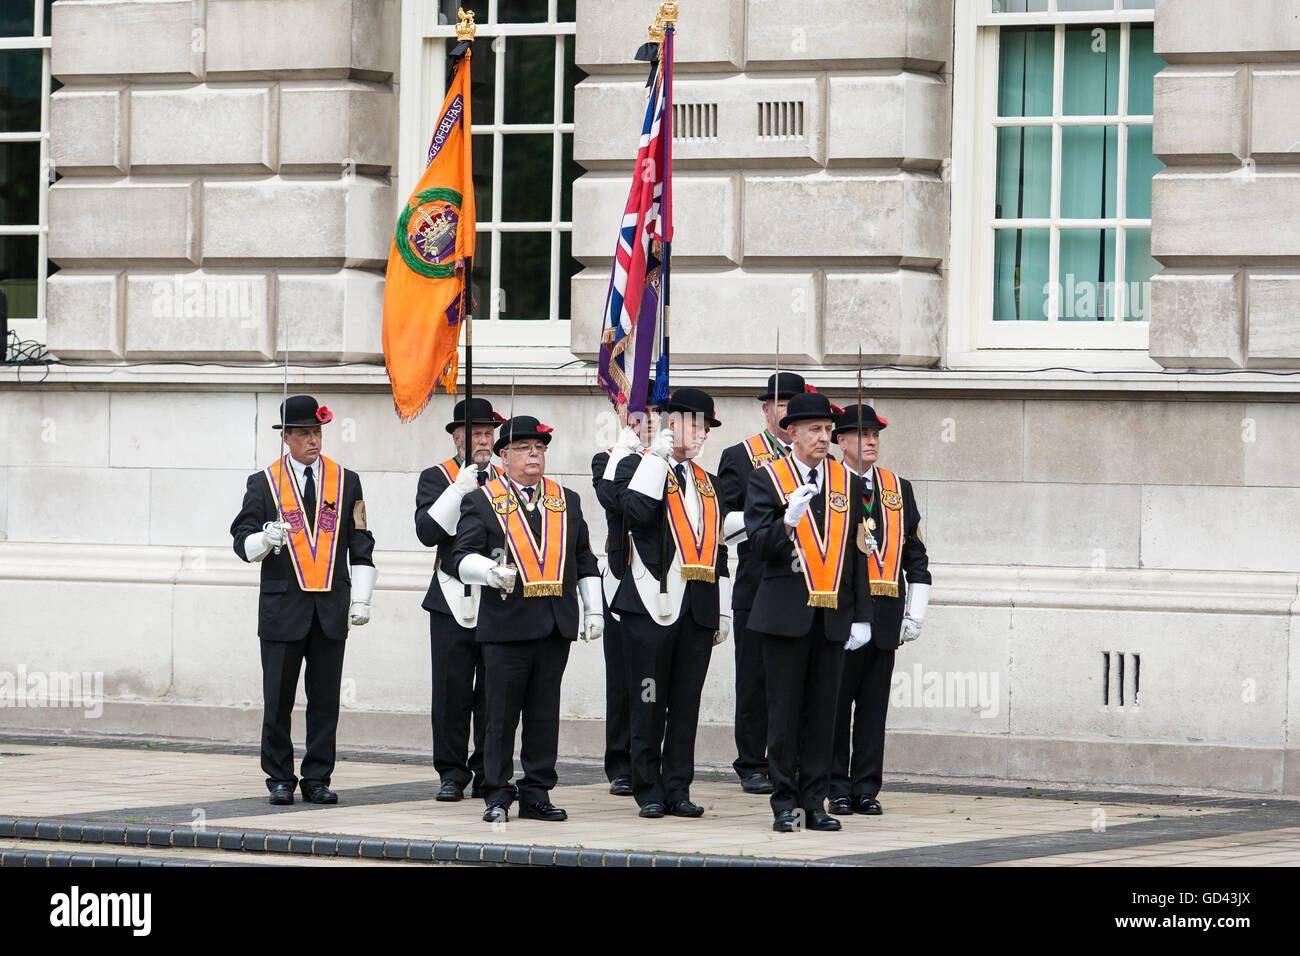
[544, 429]
[324, 415]
[810, 388]
[496, 417]
[836, 409]
[882, 419]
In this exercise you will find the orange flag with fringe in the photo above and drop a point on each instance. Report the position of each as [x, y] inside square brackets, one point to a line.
[425, 295]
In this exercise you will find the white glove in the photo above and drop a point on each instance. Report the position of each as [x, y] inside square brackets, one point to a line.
[859, 636]
[662, 446]
[593, 609]
[723, 631]
[259, 544]
[798, 504]
[594, 627]
[649, 477]
[359, 613]
[363, 586]
[466, 479]
[480, 569]
[627, 442]
[918, 601]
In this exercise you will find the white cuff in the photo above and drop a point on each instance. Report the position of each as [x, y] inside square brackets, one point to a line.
[255, 546]
[589, 588]
[650, 476]
[363, 582]
[446, 510]
[724, 596]
[616, 455]
[733, 528]
[474, 569]
[918, 601]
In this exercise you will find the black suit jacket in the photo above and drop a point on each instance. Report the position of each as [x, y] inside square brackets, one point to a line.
[781, 604]
[284, 610]
[734, 470]
[518, 618]
[887, 626]
[646, 521]
[433, 482]
[610, 496]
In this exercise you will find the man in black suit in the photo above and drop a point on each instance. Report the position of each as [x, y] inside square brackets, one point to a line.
[525, 525]
[813, 602]
[898, 571]
[456, 660]
[736, 465]
[631, 440]
[671, 615]
[304, 519]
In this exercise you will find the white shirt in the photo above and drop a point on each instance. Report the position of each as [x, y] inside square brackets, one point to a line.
[690, 494]
[864, 475]
[807, 473]
[300, 473]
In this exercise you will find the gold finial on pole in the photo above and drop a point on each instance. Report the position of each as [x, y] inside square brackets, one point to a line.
[465, 28]
[668, 12]
[657, 31]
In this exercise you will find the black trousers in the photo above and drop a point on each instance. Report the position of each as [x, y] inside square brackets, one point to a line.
[863, 701]
[618, 760]
[803, 679]
[523, 680]
[281, 663]
[666, 666]
[751, 698]
[456, 665]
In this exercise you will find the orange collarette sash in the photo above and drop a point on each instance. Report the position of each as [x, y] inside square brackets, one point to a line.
[761, 450]
[699, 552]
[822, 559]
[886, 560]
[311, 551]
[541, 567]
[451, 468]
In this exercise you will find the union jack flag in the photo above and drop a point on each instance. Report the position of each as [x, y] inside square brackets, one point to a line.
[632, 302]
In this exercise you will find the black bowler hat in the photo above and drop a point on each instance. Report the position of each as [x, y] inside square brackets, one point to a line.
[301, 411]
[848, 422]
[792, 384]
[810, 406]
[522, 428]
[483, 415]
[692, 401]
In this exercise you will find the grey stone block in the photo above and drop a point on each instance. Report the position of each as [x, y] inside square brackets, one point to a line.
[84, 315]
[277, 843]
[1200, 114]
[876, 33]
[136, 835]
[206, 839]
[469, 852]
[444, 852]
[716, 29]
[347, 846]
[1197, 318]
[124, 220]
[336, 317]
[1274, 126]
[207, 127]
[709, 234]
[421, 850]
[88, 130]
[1174, 519]
[896, 317]
[157, 39]
[903, 119]
[1213, 31]
[1217, 216]
[230, 840]
[179, 315]
[300, 844]
[296, 38]
[1272, 327]
[159, 836]
[373, 849]
[337, 127]
[565, 857]
[494, 854]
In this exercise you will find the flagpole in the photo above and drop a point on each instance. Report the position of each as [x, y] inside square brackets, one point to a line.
[665, 29]
[465, 34]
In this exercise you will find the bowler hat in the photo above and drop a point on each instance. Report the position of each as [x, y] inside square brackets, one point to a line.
[522, 428]
[809, 406]
[301, 411]
[482, 415]
[792, 384]
[850, 421]
[692, 401]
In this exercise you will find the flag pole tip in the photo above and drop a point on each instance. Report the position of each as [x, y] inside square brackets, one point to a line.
[465, 29]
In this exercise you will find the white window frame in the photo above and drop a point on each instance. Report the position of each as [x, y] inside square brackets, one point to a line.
[30, 328]
[974, 339]
[423, 86]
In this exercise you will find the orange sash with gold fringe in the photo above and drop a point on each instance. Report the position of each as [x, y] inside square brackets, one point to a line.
[822, 558]
[762, 449]
[311, 549]
[699, 552]
[541, 565]
[885, 560]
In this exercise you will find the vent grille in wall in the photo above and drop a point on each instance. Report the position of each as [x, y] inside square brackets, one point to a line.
[695, 121]
[780, 120]
[1121, 679]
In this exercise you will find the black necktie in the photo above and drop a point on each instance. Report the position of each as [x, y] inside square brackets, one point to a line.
[680, 471]
[309, 499]
[482, 478]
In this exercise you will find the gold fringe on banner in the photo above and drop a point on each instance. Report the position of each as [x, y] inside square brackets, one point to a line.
[698, 573]
[828, 599]
[544, 589]
[887, 588]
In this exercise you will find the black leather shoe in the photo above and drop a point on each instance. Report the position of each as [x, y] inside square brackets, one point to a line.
[496, 813]
[542, 810]
[684, 808]
[867, 805]
[652, 811]
[840, 806]
[756, 783]
[281, 795]
[821, 820]
[450, 792]
[785, 822]
[318, 793]
[621, 786]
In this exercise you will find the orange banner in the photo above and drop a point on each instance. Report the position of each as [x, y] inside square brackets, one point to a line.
[424, 294]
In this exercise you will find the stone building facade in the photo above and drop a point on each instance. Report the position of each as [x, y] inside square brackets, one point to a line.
[1108, 480]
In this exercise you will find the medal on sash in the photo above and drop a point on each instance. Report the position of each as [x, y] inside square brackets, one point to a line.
[885, 560]
[699, 553]
[311, 551]
[821, 556]
[540, 564]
